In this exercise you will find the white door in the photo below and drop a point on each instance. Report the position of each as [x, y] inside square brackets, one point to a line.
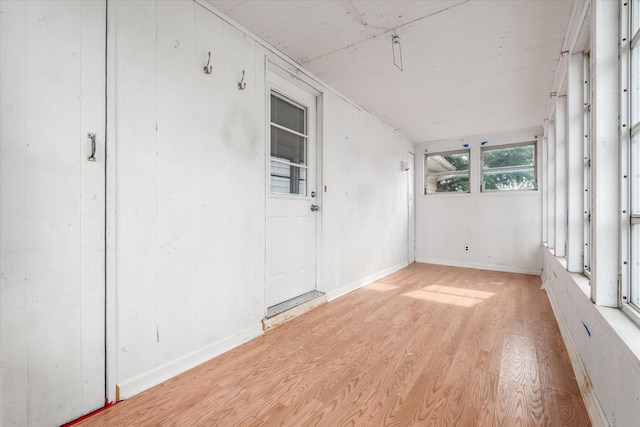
[52, 279]
[291, 193]
[411, 181]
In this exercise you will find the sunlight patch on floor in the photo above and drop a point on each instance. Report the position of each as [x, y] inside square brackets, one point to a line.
[448, 295]
[380, 287]
[459, 291]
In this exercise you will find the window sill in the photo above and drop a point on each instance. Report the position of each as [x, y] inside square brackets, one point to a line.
[519, 193]
[583, 283]
[580, 279]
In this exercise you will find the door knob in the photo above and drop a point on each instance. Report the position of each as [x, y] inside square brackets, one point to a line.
[314, 208]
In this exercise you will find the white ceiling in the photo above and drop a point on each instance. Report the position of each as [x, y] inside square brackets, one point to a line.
[470, 67]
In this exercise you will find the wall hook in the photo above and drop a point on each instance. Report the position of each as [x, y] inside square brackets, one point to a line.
[208, 68]
[242, 85]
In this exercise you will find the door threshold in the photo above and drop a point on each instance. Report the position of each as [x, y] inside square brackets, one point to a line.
[285, 311]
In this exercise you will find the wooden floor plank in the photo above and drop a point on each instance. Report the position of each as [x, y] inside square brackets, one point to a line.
[427, 346]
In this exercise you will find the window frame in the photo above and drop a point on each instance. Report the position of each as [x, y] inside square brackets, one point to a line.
[588, 172]
[505, 146]
[428, 154]
[630, 219]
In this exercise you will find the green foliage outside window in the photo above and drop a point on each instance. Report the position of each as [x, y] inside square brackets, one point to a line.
[447, 172]
[509, 168]
[504, 168]
[458, 183]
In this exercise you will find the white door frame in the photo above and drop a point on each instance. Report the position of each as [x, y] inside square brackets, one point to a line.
[272, 65]
[411, 205]
[110, 152]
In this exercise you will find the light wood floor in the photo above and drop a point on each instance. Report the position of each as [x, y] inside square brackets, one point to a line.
[426, 346]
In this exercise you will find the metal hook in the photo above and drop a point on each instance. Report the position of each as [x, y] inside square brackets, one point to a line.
[242, 85]
[208, 68]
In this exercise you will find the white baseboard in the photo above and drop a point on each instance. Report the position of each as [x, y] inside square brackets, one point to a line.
[478, 266]
[363, 282]
[591, 402]
[145, 381]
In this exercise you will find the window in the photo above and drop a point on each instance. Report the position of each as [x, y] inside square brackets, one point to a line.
[288, 146]
[631, 292]
[587, 163]
[447, 172]
[509, 167]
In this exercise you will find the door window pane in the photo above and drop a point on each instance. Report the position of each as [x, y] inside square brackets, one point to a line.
[288, 146]
[289, 115]
[288, 179]
[447, 172]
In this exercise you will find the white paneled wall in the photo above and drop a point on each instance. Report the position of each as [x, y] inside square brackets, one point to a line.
[189, 192]
[189, 218]
[502, 230]
[51, 211]
[365, 219]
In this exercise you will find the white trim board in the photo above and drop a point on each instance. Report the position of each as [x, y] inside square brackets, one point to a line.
[145, 381]
[477, 266]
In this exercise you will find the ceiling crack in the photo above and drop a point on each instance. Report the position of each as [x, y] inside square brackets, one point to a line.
[364, 21]
[385, 30]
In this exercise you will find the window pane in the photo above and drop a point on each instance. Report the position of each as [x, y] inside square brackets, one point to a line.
[635, 174]
[288, 179]
[288, 146]
[288, 115]
[447, 172]
[519, 179]
[635, 16]
[511, 156]
[635, 85]
[634, 288]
